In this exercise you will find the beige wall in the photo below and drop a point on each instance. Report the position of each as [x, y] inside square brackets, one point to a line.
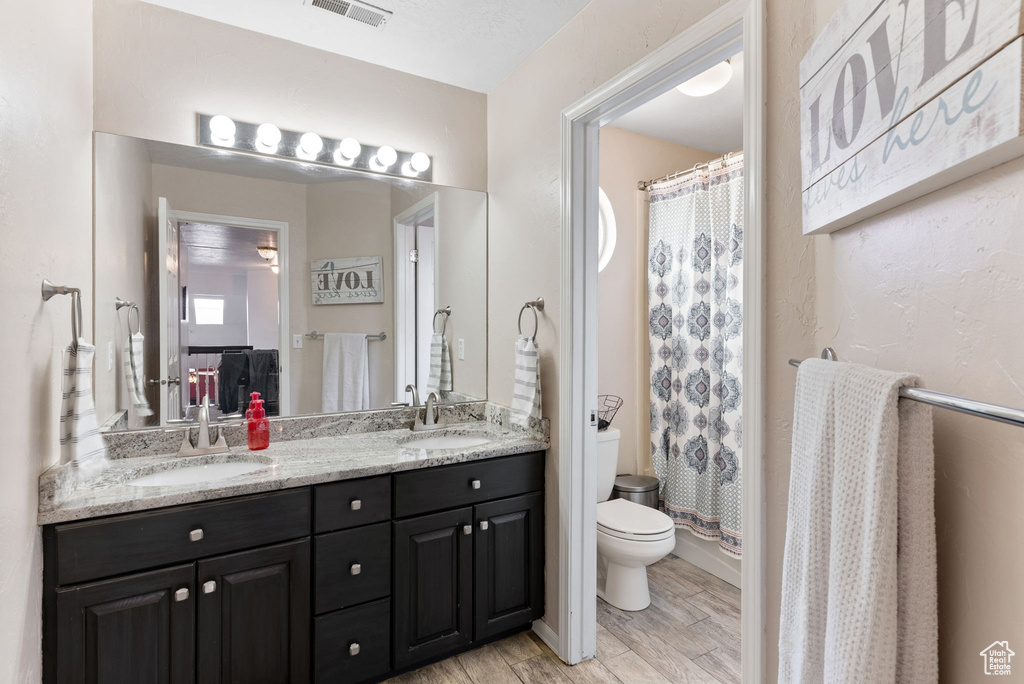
[155, 69]
[623, 347]
[46, 224]
[125, 217]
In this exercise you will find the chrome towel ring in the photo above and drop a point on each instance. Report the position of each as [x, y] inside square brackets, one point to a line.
[534, 306]
[447, 312]
[132, 306]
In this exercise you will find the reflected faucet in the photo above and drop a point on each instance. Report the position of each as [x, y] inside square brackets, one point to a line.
[203, 443]
[415, 394]
[431, 416]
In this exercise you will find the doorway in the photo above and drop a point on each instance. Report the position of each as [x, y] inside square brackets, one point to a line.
[739, 25]
[416, 261]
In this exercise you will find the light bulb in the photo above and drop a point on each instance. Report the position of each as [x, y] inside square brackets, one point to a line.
[420, 161]
[386, 156]
[349, 148]
[222, 129]
[707, 82]
[407, 170]
[267, 137]
[311, 144]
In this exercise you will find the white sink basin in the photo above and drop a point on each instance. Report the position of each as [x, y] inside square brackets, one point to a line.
[199, 473]
[446, 442]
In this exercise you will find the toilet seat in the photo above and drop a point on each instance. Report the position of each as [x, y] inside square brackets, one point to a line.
[624, 519]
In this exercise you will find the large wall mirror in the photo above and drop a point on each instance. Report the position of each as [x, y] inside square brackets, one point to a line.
[324, 289]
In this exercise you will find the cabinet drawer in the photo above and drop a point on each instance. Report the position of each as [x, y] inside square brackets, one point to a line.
[435, 489]
[101, 548]
[352, 645]
[352, 566]
[351, 503]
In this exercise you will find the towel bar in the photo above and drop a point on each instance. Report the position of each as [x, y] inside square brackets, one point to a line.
[319, 336]
[972, 407]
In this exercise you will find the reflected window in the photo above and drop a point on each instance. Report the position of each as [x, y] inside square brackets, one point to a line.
[209, 310]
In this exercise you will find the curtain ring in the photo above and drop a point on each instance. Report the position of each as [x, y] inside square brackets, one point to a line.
[536, 320]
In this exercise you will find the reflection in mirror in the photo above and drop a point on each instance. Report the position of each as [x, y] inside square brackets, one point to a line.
[323, 289]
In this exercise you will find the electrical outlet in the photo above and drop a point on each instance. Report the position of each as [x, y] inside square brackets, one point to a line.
[462, 349]
[296, 341]
[110, 355]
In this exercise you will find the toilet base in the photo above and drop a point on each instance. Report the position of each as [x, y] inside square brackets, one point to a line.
[624, 587]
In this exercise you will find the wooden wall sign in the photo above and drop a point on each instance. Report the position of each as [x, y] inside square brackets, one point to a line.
[902, 97]
[347, 281]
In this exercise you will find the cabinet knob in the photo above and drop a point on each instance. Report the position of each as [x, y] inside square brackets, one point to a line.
[353, 649]
[356, 504]
[467, 529]
[475, 484]
[181, 594]
[355, 569]
[195, 535]
[209, 587]
[484, 524]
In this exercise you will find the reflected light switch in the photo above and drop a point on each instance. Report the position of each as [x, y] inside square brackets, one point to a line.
[462, 349]
[296, 341]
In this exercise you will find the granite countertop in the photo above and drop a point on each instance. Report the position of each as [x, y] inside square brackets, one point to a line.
[292, 463]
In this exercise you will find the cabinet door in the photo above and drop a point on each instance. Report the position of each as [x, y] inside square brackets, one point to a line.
[509, 564]
[138, 629]
[433, 592]
[254, 617]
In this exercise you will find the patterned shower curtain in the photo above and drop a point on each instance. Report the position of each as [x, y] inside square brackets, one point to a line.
[695, 291]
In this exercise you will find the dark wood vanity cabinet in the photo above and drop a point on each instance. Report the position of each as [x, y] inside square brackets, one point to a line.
[338, 583]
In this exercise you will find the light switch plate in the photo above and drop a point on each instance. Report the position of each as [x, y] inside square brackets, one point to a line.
[462, 349]
[296, 341]
[110, 355]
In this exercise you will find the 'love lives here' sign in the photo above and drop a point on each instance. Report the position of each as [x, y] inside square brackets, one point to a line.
[902, 97]
[347, 281]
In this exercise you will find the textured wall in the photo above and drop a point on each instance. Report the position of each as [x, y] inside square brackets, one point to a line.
[156, 68]
[46, 224]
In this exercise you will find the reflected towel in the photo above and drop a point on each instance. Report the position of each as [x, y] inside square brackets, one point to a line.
[526, 388]
[131, 356]
[440, 364]
[859, 597]
[346, 373]
[80, 441]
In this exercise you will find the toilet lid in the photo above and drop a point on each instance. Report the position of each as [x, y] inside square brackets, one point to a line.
[622, 515]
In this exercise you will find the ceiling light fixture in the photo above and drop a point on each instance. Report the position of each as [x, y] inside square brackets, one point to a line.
[222, 130]
[274, 265]
[268, 136]
[707, 82]
[267, 253]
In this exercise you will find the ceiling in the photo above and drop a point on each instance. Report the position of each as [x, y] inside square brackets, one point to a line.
[226, 246]
[713, 123]
[472, 44]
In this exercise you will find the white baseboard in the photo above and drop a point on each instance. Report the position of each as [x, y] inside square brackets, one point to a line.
[706, 556]
[547, 635]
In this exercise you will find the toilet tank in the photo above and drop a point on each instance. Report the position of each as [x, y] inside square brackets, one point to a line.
[607, 461]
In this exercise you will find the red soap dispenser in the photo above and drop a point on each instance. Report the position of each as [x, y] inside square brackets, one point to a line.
[259, 426]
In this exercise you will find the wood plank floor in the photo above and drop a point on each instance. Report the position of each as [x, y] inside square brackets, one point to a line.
[689, 634]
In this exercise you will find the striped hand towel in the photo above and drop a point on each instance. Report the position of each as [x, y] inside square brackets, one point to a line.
[440, 364]
[526, 390]
[80, 441]
[133, 375]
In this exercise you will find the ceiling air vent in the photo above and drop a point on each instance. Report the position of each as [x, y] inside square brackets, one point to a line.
[355, 10]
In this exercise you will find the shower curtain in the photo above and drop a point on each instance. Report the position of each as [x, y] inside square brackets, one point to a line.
[695, 292]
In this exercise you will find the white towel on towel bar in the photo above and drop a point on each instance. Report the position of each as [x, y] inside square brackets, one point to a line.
[80, 441]
[859, 597]
[346, 385]
[440, 377]
[132, 356]
[526, 388]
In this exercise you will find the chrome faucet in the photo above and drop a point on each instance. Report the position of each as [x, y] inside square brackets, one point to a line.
[431, 416]
[415, 394]
[203, 444]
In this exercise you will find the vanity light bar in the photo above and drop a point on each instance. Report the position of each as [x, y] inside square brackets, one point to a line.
[268, 140]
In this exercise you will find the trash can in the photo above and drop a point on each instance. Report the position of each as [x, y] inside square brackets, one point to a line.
[641, 489]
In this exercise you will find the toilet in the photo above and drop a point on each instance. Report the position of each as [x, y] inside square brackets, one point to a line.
[630, 536]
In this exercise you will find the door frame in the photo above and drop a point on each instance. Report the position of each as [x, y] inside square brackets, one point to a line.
[686, 55]
[283, 276]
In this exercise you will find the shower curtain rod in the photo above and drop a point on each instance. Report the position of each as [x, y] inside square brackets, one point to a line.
[643, 185]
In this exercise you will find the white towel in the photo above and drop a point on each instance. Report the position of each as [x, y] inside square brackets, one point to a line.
[80, 441]
[131, 356]
[346, 373]
[526, 389]
[859, 597]
[440, 364]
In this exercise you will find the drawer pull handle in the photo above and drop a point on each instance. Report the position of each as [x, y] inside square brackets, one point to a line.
[467, 529]
[195, 535]
[209, 587]
[181, 594]
[355, 569]
[475, 484]
[484, 524]
[353, 649]
[356, 505]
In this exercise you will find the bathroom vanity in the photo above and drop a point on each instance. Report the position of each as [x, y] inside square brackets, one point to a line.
[346, 578]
